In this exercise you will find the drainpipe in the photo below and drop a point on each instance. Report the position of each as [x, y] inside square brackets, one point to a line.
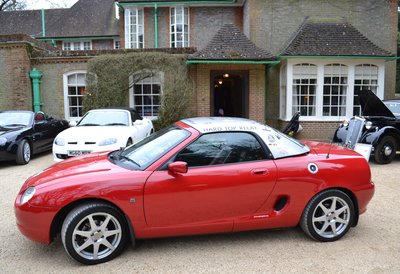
[265, 93]
[155, 25]
[36, 75]
[43, 25]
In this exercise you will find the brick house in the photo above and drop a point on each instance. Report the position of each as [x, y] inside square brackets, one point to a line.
[263, 60]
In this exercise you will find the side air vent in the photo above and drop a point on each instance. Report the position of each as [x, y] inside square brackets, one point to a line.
[280, 203]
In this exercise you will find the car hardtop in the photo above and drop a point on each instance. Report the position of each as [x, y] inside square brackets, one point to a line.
[218, 124]
[132, 111]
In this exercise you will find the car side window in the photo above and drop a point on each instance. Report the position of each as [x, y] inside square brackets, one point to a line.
[135, 116]
[222, 148]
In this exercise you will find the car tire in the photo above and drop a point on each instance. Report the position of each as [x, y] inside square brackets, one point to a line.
[385, 150]
[328, 216]
[94, 233]
[23, 153]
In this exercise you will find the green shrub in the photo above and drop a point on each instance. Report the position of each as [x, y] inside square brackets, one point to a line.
[108, 82]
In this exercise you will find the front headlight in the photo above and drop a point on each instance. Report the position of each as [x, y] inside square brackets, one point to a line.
[345, 123]
[3, 141]
[368, 125]
[59, 141]
[28, 194]
[108, 141]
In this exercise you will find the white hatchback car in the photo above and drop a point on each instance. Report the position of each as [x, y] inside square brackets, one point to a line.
[101, 130]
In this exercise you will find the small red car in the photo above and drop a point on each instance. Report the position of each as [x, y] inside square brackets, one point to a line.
[200, 175]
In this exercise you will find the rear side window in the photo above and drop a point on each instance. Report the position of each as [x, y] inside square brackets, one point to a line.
[222, 148]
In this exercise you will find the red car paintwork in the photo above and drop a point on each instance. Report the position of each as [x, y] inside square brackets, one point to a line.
[222, 198]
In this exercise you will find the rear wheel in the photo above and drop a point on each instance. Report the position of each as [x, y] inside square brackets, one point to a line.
[385, 151]
[328, 216]
[23, 153]
[94, 233]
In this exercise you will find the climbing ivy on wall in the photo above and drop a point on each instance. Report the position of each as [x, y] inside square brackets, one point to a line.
[109, 78]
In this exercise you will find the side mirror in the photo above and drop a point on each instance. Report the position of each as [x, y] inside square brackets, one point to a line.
[72, 123]
[178, 167]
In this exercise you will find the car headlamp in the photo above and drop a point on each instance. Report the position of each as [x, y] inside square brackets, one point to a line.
[3, 141]
[368, 125]
[345, 123]
[108, 141]
[28, 194]
[59, 141]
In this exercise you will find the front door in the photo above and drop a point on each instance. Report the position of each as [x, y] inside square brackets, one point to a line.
[228, 177]
[229, 93]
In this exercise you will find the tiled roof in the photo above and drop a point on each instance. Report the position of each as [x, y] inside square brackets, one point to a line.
[231, 44]
[27, 21]
[331, 37]
[87, 18]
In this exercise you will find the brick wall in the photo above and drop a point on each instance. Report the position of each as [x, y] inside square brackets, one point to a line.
[15, 84]
[318, 131]
[52, 84]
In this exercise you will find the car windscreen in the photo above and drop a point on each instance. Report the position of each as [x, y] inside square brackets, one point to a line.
[15, 119]
[105, 118]
[281, 145]
[150, 149]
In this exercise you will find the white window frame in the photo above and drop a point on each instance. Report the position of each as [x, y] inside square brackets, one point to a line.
[66, 95]
[335, 71]
[156, 79]
[117, 44]
[366, 77]
[304, 73]
[320, 63]
[76, 45]
[131, 29]
[174, 12]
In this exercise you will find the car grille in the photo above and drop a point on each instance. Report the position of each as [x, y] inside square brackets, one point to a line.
[354, 131]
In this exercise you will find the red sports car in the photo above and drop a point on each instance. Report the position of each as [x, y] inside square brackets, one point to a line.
[200, 175]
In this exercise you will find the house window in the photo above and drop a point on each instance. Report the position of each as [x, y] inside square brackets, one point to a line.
[145, 95]
[335, 90]
[67, 46]
[179, 27]
[304, 89]
[117, 44]
[134, 30]
[366, 77]
[81, 45]
[74, 91]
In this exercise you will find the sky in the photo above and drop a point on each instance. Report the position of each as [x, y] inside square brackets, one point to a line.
[47, 4]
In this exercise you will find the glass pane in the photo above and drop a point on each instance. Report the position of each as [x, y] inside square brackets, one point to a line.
[138, 100]
[72, 91]
[147, 89]
[81, 79]
[72, 79]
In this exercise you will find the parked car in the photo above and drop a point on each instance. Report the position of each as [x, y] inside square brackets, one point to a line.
[24, 133]
[200, 175]
[379, 127]
[102, 130]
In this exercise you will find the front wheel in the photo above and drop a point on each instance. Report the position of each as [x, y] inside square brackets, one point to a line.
[328, 216]
[94, 233]
[385, 151]
[23, 153]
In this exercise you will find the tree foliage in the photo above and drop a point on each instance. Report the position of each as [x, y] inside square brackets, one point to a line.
[12, 5]
[110, 77]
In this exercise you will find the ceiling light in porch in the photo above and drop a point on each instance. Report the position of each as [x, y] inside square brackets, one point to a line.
[226, 75]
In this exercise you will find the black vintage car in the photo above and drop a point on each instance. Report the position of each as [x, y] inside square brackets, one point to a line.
[24, 133]
[379, 126]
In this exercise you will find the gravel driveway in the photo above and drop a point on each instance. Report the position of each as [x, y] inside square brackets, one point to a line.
[372, 247]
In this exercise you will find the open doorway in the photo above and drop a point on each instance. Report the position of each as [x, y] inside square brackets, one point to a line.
[229, 93]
